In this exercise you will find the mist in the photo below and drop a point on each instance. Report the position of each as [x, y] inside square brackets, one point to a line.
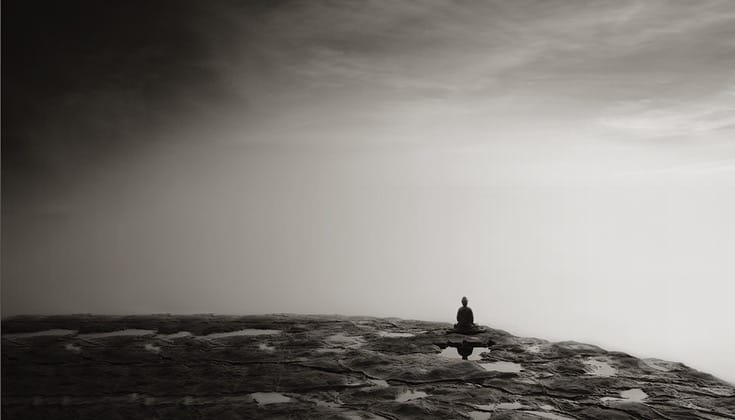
[569, 169]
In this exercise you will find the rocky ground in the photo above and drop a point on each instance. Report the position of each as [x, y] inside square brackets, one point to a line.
[289, 366]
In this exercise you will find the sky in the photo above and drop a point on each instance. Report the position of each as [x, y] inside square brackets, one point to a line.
[569, 166]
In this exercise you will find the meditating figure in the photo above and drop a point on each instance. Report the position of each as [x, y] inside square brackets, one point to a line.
[465, 319]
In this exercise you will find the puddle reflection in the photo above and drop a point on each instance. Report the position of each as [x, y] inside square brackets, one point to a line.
[463, 350]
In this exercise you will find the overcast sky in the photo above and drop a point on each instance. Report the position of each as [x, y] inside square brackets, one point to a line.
[567, 165]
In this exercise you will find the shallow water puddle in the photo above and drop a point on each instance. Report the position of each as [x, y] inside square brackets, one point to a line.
[394, 334]
[152, 348]
[120, 333]
[46, 333]
[410, 395]
[346, 340]
[452, 353]
[180, 334]
[265, 398]
[73, 348]
[239, 333]
[634, 395]
[546, 415]
[502, 367]
[631, 395]
[379, 382]
[502, 406]
[599, 368]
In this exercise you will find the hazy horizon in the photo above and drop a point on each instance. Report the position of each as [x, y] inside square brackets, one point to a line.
[568, 166]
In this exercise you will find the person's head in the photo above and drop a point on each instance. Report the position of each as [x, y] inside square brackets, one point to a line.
[464, 300]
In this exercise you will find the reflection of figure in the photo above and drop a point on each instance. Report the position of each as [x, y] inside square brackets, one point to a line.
[465, 319]
[465, 349]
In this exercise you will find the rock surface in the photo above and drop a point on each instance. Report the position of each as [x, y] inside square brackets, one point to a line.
[289, 366]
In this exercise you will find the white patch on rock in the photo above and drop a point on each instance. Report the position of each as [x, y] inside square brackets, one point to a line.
[382, 383]
[501, 406]
[152, 348]
[73, 348]
[265, 347]
[348, 341]
[631, 395]
[394, 334]
[634, 395]
[502, 366]
[265, 398]
[479, 415]
[599, 368]
[410, 395]
[509, 406]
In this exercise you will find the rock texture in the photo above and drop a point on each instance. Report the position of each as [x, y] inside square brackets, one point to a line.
[288, 366]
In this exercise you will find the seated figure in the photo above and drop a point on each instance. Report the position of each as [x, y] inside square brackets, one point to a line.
[465, 319]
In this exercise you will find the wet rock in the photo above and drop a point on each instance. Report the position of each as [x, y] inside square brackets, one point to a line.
[282, 366]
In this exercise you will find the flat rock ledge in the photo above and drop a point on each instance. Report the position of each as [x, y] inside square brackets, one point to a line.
[330, 367]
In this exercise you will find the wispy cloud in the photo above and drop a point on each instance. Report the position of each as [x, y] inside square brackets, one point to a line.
[470, 47]
[714, 115]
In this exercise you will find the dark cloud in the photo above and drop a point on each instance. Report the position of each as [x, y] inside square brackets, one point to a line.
[86, 80]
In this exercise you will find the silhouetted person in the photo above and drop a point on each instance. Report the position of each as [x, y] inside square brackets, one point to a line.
[465, 319]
